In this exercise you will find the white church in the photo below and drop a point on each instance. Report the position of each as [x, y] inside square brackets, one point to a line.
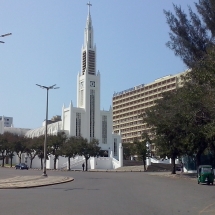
[86, 120]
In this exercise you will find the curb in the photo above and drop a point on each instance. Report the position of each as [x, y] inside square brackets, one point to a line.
[31, 182]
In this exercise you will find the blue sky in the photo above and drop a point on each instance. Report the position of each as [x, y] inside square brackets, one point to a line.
[45, 48]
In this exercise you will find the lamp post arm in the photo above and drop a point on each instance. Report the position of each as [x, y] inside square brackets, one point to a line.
[5, 35]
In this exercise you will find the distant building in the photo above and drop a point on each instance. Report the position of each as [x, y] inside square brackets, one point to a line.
[128, 104]
[8, 121]
[17, 131]
[54, 119]
[6, 125]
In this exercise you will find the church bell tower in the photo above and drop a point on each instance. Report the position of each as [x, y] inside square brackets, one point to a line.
[88, 82]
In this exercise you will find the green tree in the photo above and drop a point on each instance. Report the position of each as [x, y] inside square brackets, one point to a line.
[183, 121]
[39, 146]
[206, 8]
[128, 150]
[168, 125]
[199, 103]
[31, 148]
[10, 146]
[3, 144]
[70, 148]
[88, 149]
[55, 143]
[141, 148]
[20, 146]
[191, 36]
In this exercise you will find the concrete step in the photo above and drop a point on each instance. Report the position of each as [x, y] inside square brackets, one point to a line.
[131, 168]
[132, 163]
[158, 167]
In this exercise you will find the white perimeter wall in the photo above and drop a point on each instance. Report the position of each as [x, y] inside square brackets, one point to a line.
[62, 163]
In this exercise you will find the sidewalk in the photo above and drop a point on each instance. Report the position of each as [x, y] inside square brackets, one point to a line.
[191, 176]
[32, 181]
[140, 168]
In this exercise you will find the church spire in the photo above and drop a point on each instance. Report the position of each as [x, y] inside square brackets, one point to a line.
[89, 29]
[89, 21]
[88, 50]
[89, 5]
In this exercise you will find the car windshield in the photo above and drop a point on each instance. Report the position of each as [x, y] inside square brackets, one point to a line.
[22, 164]
[206, 170]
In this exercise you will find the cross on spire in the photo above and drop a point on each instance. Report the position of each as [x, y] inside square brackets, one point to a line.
[89, 5]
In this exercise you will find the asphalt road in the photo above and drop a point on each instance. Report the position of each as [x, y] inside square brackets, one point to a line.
[108, 193]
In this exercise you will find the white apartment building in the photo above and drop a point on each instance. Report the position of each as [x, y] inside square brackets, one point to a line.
[130, 103]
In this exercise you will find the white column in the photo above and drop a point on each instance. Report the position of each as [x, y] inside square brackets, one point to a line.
[111, 154]
[70, 118]
[177, 161]
[148, 161]
[57, 163]
[2, 125]
[120, 155]
[62, 117]
[67, 164]
[92, 163]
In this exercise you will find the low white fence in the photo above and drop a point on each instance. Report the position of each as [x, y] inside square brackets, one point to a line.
[103, 163]
[165, 161]
[75, 163]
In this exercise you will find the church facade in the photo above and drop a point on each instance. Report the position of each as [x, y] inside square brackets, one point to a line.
[87, 120]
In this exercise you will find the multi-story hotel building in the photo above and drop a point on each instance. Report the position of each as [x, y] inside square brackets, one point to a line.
[129, 104]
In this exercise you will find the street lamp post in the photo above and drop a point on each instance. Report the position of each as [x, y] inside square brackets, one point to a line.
[45, 142]
[5, 35]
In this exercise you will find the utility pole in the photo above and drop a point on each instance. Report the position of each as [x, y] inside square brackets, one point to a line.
[45, 142]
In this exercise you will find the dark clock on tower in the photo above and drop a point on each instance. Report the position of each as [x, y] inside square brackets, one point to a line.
[92, 84]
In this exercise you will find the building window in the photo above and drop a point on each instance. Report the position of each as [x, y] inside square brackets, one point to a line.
[83, 62]
[82, 98]
[78, 124]
[104, 129]
[91, 62]
[92, 113]
[115, 147]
